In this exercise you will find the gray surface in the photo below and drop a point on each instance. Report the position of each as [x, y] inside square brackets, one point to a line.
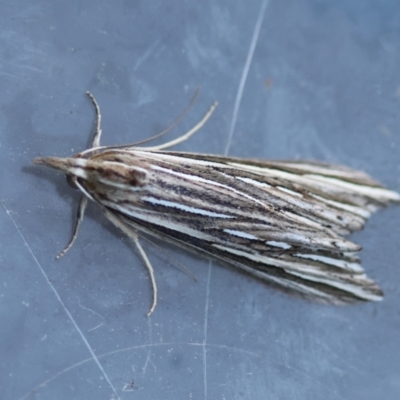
[323, 83]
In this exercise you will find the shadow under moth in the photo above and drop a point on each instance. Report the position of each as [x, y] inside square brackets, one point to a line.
[283, 222]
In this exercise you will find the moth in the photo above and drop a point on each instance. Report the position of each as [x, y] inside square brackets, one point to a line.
[283, 222]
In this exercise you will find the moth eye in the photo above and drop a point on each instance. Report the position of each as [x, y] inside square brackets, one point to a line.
[71, 182]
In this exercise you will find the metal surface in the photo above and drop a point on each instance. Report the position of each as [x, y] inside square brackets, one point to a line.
[323, 82]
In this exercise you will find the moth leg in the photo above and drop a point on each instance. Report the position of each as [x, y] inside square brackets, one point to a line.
[79, 217]
[97, 129]
[151, 272]
[131, 234]
[175, 261]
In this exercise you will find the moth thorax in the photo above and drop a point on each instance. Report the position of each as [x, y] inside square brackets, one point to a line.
[118, 173]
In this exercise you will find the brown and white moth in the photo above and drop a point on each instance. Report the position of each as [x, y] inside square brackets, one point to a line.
[280, 221]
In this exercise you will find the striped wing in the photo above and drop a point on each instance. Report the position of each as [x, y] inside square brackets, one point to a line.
[279, 221]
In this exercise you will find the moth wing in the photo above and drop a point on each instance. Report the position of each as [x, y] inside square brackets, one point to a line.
[332, 182]
[279, 221]
[337, 278]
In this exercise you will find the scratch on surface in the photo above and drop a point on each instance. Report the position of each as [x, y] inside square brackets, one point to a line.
[141, 59]
[148, 358]
[205, 329]
[245, 73]
[9, 75]
[71, 318]
[93, 312]
[238, 99]
[89, 309]
[309, 376]
[95, 327]
[138, 347]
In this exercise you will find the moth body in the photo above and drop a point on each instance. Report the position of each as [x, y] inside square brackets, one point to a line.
[281, 221]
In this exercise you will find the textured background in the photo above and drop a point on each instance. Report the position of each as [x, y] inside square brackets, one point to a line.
[323, 83]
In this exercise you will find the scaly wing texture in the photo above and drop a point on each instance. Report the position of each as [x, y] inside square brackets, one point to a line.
[279, 221]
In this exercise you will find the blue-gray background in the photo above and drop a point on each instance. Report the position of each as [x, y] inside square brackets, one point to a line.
[323, 83]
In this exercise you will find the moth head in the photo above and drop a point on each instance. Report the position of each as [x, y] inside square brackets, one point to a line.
[73, 168]
[97, 175]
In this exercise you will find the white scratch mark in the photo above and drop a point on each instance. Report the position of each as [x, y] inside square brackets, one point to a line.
[9, 75]
[245, 72]
[141, 59]
[205, 329]
[148, 358]
[71, 318]
[129, 349]
[88, 309]
[239, 95]
[96, 327]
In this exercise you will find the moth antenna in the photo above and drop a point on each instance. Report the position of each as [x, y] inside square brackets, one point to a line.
[96, 143]
[187, 135]
[174, 124]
